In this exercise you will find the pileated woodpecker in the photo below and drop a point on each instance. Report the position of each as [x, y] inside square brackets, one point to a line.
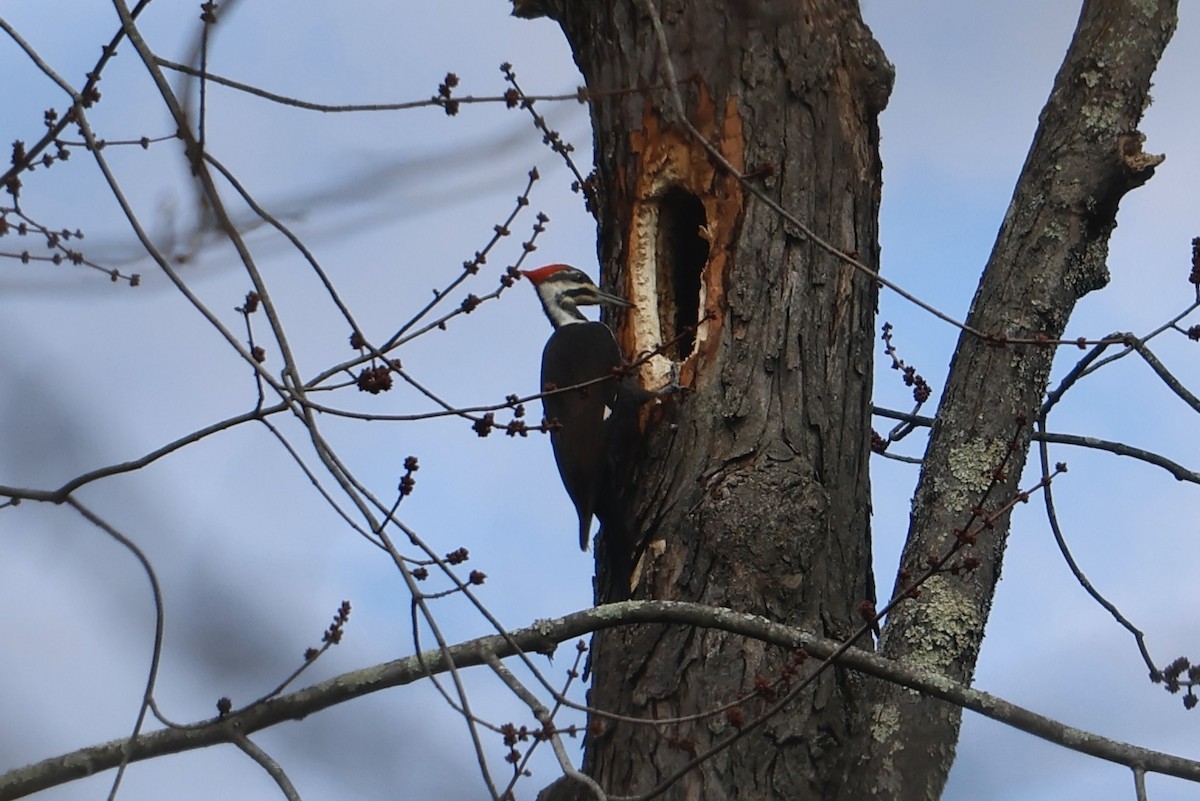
[579, 351]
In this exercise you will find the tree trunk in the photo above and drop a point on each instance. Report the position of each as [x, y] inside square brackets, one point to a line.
[752, 490]
[753, 493]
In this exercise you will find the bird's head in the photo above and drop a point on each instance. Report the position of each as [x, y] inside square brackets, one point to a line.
[561, 288]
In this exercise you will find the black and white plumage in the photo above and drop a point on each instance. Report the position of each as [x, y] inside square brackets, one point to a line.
[579, 351]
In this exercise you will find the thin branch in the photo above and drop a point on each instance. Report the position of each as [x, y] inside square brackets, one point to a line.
[469, 304]
[129, 743]
[1052, 517]
[572, 674]
[899, 457]
[1169, 325]
[278, 225]
[1167, 377]
[1077, 372]
[465, 589]
[544, 717]
[33, 56]
[554, 140]
[63, 493]
[1089, 363]
[471, 268]
[1139, 784]
[312, 477]
[266, 762]
[446, 652]
[56, 242]
[580, 95]
[1178, 471]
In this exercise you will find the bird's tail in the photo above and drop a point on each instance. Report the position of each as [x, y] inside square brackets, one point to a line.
[585, 531]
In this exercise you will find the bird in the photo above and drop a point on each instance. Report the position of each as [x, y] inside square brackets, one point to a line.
[580, 351]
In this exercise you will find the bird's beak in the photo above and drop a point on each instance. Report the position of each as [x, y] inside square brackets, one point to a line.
[598, 296]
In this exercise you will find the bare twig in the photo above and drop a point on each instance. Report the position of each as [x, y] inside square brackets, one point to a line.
[554, 140]
[266, 762]
[1089, 588]
[83, 97]
[544, 717]
[278, 225]
[580, 95]
[1165, 375]
[1178, 471]
[62, 493]
[1139, 784]
[126, 752]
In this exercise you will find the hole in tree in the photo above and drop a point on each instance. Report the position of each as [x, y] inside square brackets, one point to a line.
[681, 253]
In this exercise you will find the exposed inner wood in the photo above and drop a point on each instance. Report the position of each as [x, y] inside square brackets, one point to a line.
[685, 215]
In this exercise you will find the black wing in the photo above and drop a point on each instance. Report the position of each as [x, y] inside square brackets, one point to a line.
[575, 354]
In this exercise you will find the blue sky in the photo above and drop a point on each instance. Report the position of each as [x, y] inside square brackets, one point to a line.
[391, 203]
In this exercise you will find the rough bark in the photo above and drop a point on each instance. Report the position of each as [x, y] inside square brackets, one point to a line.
[752, 491]
[1051, 250]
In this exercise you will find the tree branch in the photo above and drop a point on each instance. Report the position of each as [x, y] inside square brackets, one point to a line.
[1177, 470]
[541, 636]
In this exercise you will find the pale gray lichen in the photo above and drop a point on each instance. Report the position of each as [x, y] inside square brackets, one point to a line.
[886, 724]
[950, 625]
[971, 466]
